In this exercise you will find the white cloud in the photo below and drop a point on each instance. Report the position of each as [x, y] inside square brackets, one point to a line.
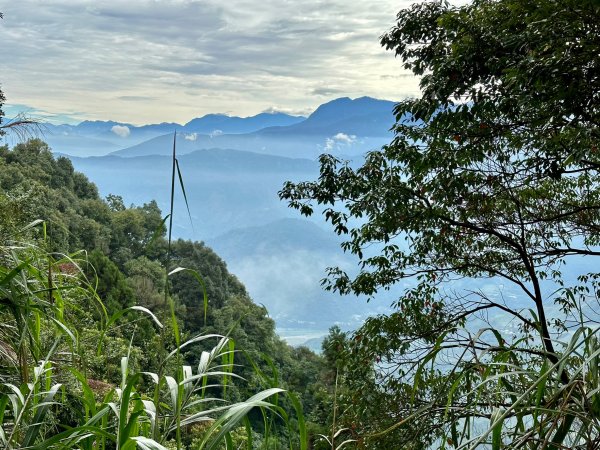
[339, 140]
[121, 130]
[191, 137]
[214, 133]
[305, 112]
[345, 138]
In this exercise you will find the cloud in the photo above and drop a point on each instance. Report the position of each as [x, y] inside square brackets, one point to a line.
[327, 91]
[214, 133]
[329, 144]
[292, 112]
[206, 56]
[344, 138]
[121, 130]
[191, 137]
[135, 98]
[339, 140]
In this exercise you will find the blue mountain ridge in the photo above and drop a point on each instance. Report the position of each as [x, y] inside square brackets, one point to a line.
[96, 138]
[212, 123]
[344, 125]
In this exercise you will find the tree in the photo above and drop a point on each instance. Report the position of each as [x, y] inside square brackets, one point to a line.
[133, 229]
[147, 279]
[493, 173]
[108, 282]
[115, 202]
[220, 285]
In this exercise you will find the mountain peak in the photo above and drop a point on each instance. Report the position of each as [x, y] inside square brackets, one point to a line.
[345, 107]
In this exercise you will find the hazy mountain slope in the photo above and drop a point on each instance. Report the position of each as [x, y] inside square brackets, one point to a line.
[72, 144]
[283, 235]
[292, 146]
[227, 189]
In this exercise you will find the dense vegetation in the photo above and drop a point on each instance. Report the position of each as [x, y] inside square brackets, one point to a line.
[100, 273]
[492, 175]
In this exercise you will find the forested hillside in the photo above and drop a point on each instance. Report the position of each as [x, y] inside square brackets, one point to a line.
[119, 253]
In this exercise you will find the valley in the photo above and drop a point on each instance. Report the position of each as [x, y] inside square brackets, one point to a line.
[232, 175]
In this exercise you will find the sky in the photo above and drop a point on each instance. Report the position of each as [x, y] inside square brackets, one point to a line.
[150, 61]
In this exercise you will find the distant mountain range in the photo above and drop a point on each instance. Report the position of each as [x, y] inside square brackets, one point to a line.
[220, 123]
[344, 126]
[96, 138]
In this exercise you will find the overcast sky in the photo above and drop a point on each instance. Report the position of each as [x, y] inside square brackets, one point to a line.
[146, 61]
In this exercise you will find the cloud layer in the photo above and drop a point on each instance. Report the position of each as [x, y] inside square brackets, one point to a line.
[150, 60]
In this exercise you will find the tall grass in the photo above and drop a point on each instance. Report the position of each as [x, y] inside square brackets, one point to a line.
[499, 395]
[41, 346]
